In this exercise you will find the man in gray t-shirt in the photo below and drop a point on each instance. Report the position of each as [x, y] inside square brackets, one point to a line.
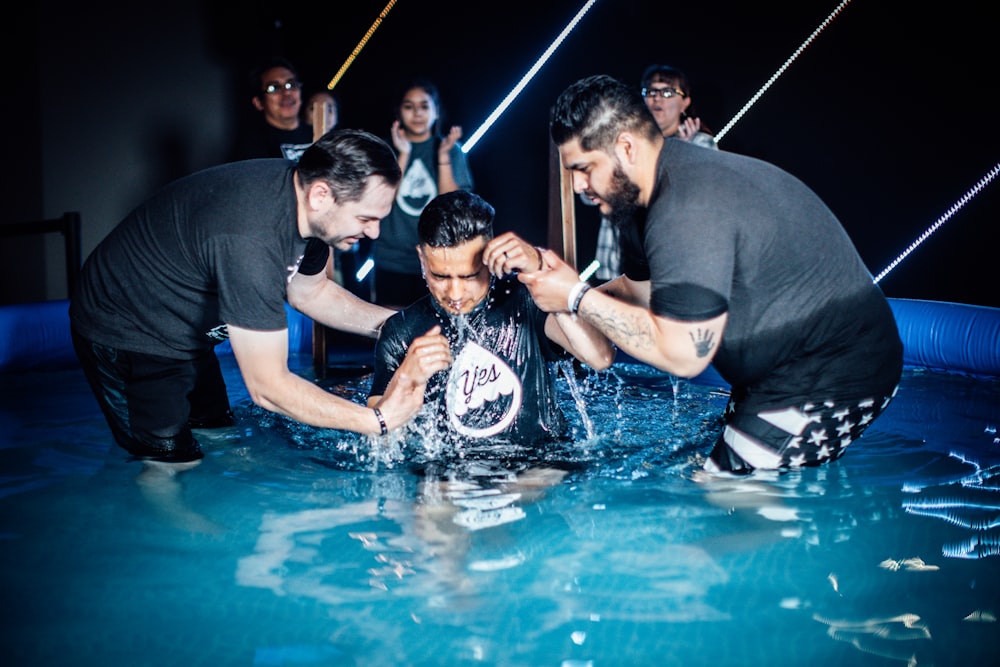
[729, 261]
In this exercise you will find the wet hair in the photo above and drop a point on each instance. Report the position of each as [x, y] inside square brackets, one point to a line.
[455, 217]
[432, 92]
[665, 74]
[345, 160]
[256, 79]
[596, 109]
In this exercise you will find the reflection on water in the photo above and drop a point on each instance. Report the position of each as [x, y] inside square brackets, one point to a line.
[296, 546]
[971, 501]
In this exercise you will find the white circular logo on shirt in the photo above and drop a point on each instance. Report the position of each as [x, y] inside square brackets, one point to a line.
[417, 189]
[483, 395]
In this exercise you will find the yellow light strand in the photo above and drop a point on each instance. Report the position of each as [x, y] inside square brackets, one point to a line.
[361, 45]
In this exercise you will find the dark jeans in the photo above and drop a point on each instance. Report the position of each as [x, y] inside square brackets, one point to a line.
[151, 402]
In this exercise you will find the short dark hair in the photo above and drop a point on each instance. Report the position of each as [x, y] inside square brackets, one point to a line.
[596, 109]
[665, 74]
[346, 159]
[454, 218]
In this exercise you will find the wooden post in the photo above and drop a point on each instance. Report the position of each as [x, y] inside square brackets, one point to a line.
[562, 208]
[319, 331]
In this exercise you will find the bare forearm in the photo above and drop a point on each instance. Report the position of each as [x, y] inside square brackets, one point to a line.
[682, 348]
[336, 307]
[301, 400]
[582, 339]
[446, 178]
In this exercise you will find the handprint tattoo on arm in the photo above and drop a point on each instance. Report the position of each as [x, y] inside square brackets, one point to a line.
[704, 341]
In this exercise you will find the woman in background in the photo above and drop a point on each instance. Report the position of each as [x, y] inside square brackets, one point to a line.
[432, 163]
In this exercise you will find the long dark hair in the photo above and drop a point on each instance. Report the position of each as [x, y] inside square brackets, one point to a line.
[432, 92]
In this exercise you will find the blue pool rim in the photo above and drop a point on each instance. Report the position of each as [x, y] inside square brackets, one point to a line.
[936, 335]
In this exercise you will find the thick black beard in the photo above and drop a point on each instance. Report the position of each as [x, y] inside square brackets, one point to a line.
[623, 201]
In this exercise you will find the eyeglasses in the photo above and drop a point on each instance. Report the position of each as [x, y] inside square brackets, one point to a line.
[275, 87]
[665, 93]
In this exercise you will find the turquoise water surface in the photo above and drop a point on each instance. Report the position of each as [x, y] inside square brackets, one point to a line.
[289, 545]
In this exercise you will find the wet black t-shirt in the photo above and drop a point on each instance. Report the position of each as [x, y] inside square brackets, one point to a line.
[499, 386]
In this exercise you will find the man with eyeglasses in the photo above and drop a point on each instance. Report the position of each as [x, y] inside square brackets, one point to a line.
[729, 261]
[667, 93]
[279, 132]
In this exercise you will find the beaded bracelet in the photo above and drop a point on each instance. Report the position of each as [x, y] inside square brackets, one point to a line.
[381, 420]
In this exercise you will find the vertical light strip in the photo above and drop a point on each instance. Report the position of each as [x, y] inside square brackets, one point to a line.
[478, 134]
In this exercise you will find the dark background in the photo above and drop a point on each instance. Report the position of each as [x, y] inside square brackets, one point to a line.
[887, 114]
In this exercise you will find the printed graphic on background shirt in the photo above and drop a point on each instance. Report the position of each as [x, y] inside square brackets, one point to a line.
[417, 189]
[293, 151]
[483, 395]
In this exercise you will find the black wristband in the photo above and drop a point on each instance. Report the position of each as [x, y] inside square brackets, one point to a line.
[381, 420]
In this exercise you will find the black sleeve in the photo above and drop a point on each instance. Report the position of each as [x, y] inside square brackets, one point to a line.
[315, 258]
[390, 348]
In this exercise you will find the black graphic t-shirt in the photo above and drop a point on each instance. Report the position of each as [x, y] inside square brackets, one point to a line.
[263, 140]
[214, 248]
[499, 386]
[394, 249]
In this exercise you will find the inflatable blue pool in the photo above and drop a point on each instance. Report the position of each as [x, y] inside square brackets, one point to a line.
[936, 335]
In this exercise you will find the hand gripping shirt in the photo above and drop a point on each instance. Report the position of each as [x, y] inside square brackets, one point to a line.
[499, 386]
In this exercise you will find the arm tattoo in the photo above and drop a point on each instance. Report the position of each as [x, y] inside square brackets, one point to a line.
[703, 342]
[627, 330]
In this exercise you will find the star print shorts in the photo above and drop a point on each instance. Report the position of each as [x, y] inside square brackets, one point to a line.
[805, 435]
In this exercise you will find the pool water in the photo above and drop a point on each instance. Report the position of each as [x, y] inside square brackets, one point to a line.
[290, 545]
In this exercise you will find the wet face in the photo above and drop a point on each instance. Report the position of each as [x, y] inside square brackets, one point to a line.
[417, 114]
[342, 224]
[280, 98]
[456, 277]
[599, 176]
[666, 110]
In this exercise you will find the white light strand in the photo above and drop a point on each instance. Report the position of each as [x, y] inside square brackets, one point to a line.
[983, 182]
[774, 77]
[478, 134]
